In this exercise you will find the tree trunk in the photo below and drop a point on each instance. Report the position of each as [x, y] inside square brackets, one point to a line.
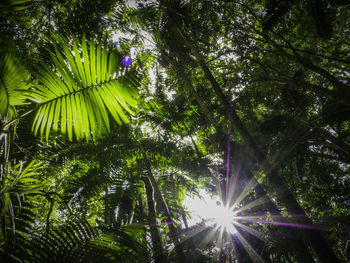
[158, 253]
[142, 216]
[317, 241]
[301, 250]
[297, 245]
[164, 210]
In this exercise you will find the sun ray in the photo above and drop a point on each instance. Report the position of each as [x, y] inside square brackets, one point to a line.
[231, 225]
[250, 230]
[191, 233]
[257, 202]
[207, 239]
[234, 248]
[233, 183]
[220, 240]
[286, 224]
[251, 252]
[250, 186]
[226, 223]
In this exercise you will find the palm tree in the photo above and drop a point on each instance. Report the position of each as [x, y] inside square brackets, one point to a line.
[257, 114]
[73, 96]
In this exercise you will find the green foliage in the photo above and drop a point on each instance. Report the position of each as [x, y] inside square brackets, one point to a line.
[17, 181]
[14, 80]
[80, 89]
[77, 241]
[9, 6]
[84, 17]
[247, 100]
[321, 12]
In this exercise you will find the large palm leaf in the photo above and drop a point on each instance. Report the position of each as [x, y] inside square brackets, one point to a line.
[13, 85]
[12, 80]
[79, 90]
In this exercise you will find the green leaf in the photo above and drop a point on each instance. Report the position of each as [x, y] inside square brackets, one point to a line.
[77, 96]
[13, 79]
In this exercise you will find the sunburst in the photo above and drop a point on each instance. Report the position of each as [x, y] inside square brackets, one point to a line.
[229, 223]
[223, 218]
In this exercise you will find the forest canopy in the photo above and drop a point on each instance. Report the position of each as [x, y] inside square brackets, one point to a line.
[175, 131]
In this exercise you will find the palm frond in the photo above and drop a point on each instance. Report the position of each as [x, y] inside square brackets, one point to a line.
[13, 85]
[78, 241]
[13, 78]
[11, 246]
[17, 181]
[77, 93]
[128, 247]
[9, 6]
[87, 183]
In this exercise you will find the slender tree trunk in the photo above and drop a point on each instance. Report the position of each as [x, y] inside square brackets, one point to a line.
[5, 143]
[297, 245]
[300, 249]
[317, 241]
[142, 215]
[158, 253]
[164, 210]
[320, 245]
[181, 211]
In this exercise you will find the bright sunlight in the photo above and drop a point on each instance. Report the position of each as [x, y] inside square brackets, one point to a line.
[209, 209]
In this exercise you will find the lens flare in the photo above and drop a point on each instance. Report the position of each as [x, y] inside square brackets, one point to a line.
[223, 218]
[209, 208]
[127, 61]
